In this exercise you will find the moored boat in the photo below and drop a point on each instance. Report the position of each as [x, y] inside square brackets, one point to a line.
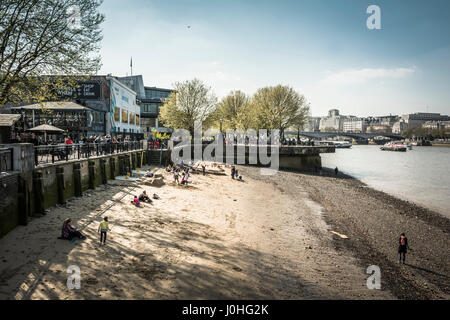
[394, 147]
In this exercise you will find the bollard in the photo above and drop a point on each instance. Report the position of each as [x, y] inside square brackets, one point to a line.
[91, 174]
[133, 161]
[24, 201]
[103, 171]
[121, 165]
[77, 179]
[38, 193]
[60, 183]
[112, 167]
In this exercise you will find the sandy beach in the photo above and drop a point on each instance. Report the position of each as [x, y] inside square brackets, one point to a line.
[268, 237]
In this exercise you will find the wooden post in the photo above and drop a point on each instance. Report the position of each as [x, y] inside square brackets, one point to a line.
[60, 183]
[38, 192]
[91, 174]
[77, 179]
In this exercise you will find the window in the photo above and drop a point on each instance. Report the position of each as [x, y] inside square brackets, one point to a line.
[117, 114]
[137, 120]
[132, 119]
[124, 116]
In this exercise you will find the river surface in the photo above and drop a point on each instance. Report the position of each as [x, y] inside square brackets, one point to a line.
[420, 175]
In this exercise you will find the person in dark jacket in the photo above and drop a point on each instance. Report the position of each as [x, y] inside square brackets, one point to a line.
[402, 248]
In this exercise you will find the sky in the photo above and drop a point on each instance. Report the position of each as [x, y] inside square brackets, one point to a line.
[321, 48]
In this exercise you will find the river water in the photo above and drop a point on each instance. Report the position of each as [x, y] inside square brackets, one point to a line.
[420, 175]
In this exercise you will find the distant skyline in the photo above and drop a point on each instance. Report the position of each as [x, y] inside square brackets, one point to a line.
[322, 49]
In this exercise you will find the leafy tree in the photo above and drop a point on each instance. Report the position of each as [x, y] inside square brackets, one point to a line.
[39, 37]
[279, 108]
[191, 101]
[235, 112]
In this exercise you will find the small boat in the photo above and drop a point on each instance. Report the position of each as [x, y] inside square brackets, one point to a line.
[394, 147]
[337, 144]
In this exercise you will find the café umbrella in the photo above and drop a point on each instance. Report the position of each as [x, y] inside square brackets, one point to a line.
[46, 128]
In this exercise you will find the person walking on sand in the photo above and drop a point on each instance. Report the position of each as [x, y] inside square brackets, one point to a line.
[233, 172]
[103, 229]
[402, 248]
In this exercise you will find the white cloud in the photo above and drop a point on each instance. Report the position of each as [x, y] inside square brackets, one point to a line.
[365, 75]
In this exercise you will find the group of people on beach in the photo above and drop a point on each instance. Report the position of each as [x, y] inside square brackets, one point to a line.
[182, 171]
[143, 197]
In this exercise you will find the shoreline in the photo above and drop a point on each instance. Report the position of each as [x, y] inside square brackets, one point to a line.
[373, 223]
[267, 237]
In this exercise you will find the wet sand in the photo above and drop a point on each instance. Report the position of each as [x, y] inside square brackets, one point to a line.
[264, 238]
[373, 221]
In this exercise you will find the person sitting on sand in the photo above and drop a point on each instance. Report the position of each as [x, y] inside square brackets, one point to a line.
[149, 173]
[143, 197]
[176, 177]
[103, 228]
[169, 168]
[402, 248]
[233, 172]
[68, 232]
[184, 180]
[136, 201]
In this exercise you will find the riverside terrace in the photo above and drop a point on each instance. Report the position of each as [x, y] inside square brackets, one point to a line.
[63, 152]
[29, 190]
[297, 158]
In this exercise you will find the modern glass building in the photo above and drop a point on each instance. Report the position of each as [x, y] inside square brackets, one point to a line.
[154, 99]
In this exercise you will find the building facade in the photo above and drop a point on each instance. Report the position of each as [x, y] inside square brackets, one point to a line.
[154, 99]
[334, 121]
[312, 124]
[416, 120]
[354, 124]
[124, 115]
[150, 99]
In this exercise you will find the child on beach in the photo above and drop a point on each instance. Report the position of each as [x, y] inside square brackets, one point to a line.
[103, 229]
[136, 201]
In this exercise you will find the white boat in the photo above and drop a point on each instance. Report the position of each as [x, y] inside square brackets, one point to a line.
[337, 144]
[394, 147]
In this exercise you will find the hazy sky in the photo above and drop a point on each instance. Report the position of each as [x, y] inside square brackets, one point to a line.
[322, 48]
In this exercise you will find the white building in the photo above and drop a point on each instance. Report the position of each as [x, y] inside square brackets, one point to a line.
[312, 124]
[436, 125]
[354, 124]
[332, 121]
[124, 116]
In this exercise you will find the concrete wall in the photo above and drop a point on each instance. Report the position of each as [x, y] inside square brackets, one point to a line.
[298, 158]
[30, 192]
[9, 213]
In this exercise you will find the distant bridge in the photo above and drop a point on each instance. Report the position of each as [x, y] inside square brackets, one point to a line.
[353, 135]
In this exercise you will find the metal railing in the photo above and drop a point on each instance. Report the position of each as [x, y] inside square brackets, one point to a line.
[63, 152]
[6, 159]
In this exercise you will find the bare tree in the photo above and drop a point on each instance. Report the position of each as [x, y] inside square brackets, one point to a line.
[38, 37]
